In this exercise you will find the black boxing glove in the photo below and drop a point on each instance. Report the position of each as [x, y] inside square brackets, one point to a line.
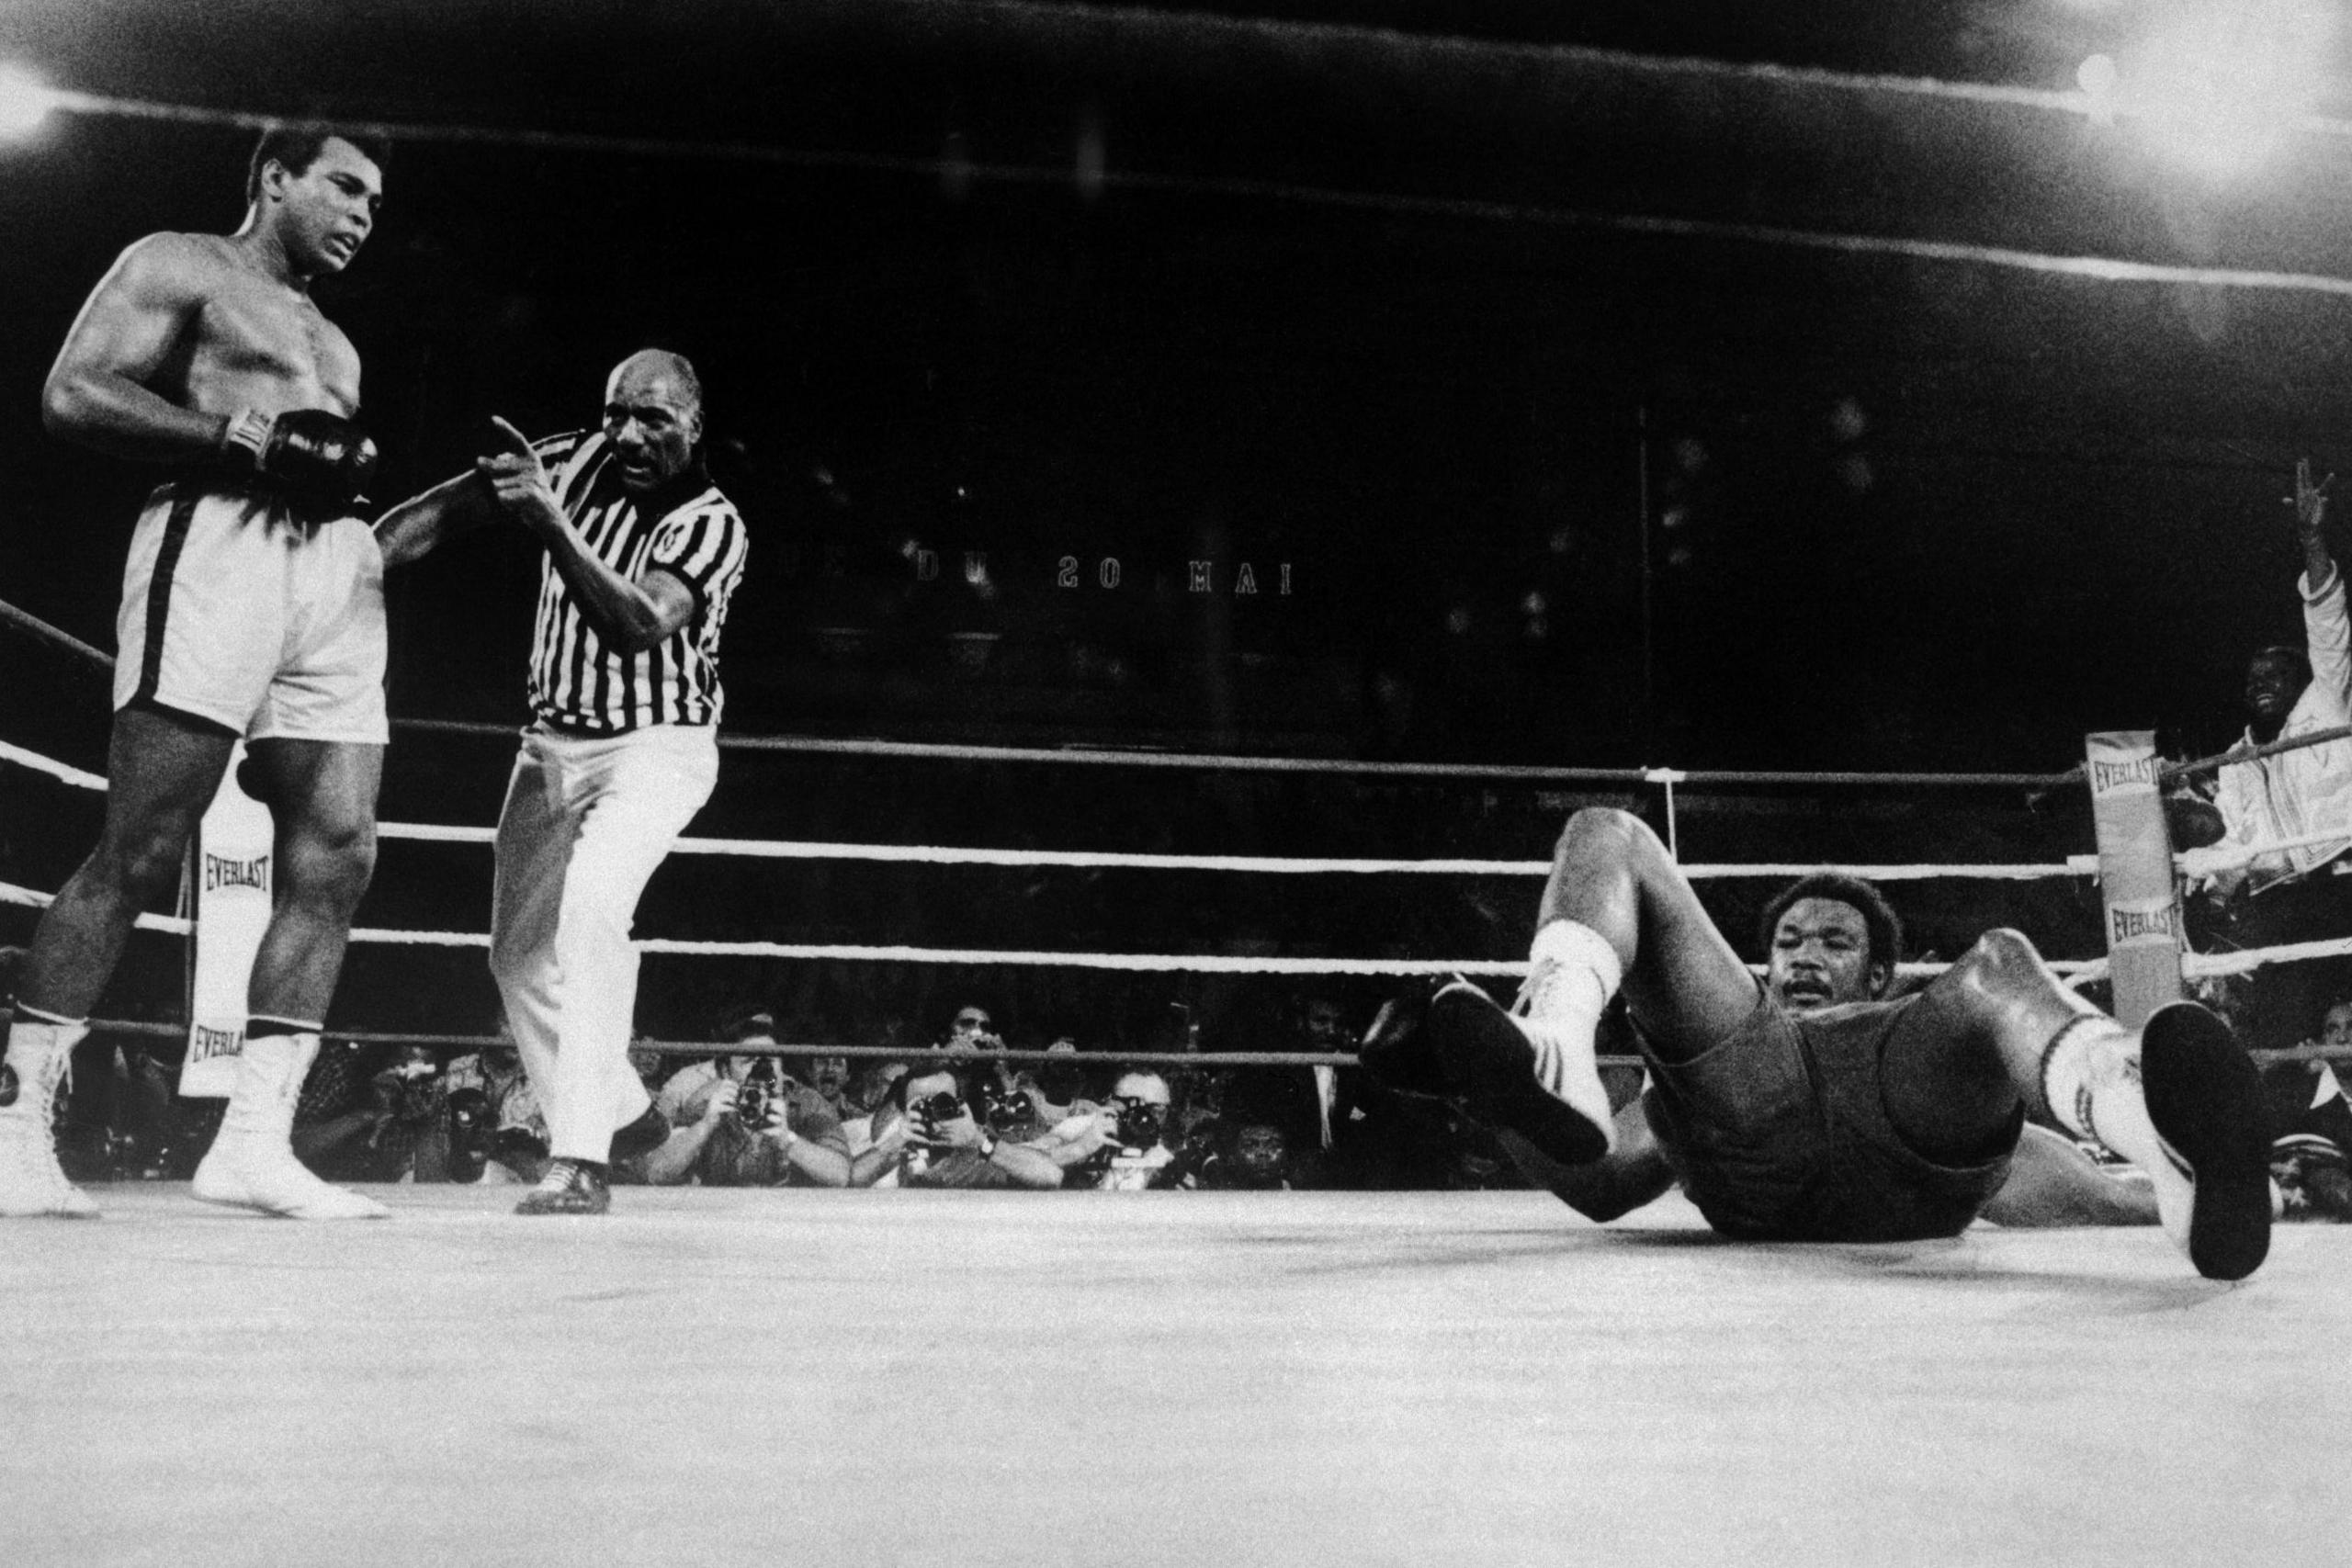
[318, 459]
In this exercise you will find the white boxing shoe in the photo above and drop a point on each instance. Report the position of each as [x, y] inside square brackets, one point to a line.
[251, 1163]
[1540, 1080]
[245, 1172]
[32, 1184]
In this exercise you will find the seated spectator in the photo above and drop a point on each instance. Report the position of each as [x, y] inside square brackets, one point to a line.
[651, 1064]
[829, 1078]
[740, 1121]
[927, 1136]
[1056, 1090]
[868, 1092]
[972, 1030]
[2311, 1126]
[1358, 1120]
[1286, 1098]
[363, 1111]
[2302, 893]
[1248, 1156]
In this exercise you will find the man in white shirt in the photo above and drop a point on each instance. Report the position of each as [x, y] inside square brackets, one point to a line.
[2301, 798]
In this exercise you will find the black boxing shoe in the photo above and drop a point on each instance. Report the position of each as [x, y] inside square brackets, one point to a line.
[2204, 1098]
[1515, 1073]
[569, 1187]
[642, 1136]
[1395, 1049]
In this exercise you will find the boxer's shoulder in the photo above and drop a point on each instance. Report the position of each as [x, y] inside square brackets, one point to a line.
[194, 265]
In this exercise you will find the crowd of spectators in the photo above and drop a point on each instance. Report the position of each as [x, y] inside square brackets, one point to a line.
[956, 1110]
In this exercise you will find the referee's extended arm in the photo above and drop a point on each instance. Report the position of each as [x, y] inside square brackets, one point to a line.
[631, 613]
[418, 524]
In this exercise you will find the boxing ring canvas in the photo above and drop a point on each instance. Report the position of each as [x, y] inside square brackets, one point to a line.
[715, 1376]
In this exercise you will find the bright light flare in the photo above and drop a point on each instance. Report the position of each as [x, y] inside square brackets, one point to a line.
[2219, 86]
[25, 100]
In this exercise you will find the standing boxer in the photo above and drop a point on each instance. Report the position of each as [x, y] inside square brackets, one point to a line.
[643, 554]
[252, 607]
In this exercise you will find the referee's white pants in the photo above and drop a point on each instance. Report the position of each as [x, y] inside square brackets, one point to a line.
[586, 822]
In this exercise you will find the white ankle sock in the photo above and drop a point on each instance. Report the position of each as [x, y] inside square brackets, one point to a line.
[2090, 1078]
[1576, 973]
[1573, 974]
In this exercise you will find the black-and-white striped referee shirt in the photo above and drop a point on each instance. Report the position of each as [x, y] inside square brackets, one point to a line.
[577, 682]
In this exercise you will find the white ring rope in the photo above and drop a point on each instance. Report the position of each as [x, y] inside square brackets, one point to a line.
[30, 898]
[933, 854]
[2194, 863]
[36, 763]
[2195, 965]
[1140, 963]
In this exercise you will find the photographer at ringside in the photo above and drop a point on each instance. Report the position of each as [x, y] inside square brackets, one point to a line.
[929, 1134]
[494, 1132]
[365, 1109]
[1123, 1146]
[743, 1120]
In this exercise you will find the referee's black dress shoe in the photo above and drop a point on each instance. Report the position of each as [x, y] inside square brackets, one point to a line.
[569, 1187]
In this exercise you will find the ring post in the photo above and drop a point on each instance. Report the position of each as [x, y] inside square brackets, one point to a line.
[2136, 883]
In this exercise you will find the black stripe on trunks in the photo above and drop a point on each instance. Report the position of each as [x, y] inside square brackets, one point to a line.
[159, 587]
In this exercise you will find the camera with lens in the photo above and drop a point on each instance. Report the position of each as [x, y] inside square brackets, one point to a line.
[1003, 1106]
[937, 1111]
[469, 1133]
[755, 1100]
[1140, 1122]
[419, 1094]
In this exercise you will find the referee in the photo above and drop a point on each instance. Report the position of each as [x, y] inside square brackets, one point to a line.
[642, 554]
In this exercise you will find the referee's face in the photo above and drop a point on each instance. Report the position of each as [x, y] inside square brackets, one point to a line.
[653, 422]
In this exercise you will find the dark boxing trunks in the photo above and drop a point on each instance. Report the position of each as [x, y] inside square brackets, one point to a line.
[1780, 1134]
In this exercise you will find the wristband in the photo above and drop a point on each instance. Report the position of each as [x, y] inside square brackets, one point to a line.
[247, 432]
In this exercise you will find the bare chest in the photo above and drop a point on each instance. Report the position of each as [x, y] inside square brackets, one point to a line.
[259, 335]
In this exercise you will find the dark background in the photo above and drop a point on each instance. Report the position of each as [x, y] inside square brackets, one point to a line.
[1516, 335]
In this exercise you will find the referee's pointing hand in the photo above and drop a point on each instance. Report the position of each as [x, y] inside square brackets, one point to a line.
[518, 478]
